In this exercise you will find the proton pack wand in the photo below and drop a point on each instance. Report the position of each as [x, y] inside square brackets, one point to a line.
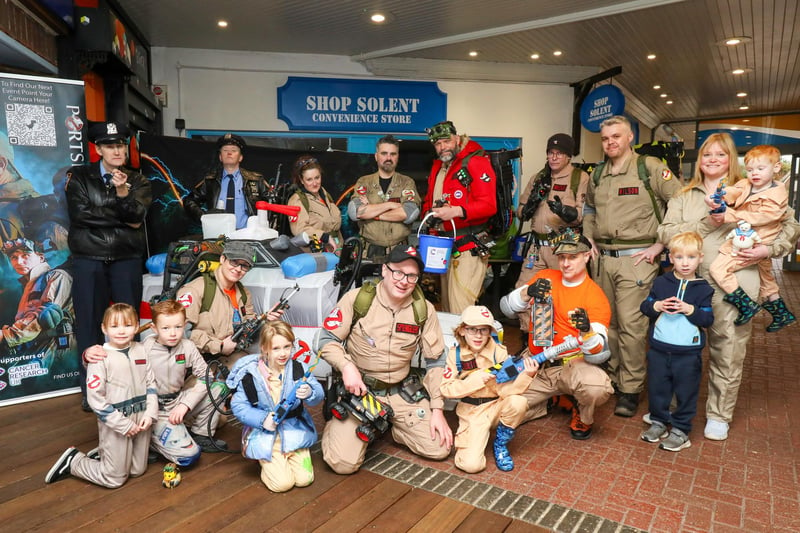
[512, 367]
[287, 405]
[246, 333]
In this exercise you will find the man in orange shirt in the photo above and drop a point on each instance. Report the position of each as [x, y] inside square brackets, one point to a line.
[579, 309]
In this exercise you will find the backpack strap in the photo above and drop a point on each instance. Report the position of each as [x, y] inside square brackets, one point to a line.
[575, 182]
[250, 391]
[210, 290]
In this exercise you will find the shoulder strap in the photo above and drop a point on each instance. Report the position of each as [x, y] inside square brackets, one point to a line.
[297, 370]
[210, 289]
[420, 306]
[458, 358]
[597, 172]
[250, 391]
[644, 175]
[575, 181]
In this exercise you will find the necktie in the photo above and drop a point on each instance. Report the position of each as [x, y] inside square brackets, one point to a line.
[230, 199]
[107, 179]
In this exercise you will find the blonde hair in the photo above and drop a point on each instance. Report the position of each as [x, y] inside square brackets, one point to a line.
[766, 151]
[118, 313]
[616, 119]
[688, 241]
[273, 329]
[729, 147]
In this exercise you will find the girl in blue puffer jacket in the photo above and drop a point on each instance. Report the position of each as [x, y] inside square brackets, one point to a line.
[270, 390]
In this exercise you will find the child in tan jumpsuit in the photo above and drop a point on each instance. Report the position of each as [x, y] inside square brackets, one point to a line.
[278, 430]
[121, 390]
[484, 403]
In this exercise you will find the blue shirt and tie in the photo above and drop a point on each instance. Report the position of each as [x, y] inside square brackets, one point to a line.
[231, 197]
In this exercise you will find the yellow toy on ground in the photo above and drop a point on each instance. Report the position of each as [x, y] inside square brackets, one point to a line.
[172, 476]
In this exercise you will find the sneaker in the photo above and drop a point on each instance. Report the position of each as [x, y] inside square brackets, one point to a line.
[676, 441]
[716, 430]
[577, 428]
[646, 418]
[94, 453]
[627, 403]
[210, 445]
[61, 468]
[656, 432]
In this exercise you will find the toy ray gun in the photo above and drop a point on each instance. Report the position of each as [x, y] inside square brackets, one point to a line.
[512, 367]
[718, 198]
[246, 332]
[288, 404]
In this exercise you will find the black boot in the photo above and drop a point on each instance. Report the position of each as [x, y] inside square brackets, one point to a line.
[781, 316]
[746, 306]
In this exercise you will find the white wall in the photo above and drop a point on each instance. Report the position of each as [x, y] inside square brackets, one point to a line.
[222, 90]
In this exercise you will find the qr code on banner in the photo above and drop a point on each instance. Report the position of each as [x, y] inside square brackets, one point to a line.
[31, 125]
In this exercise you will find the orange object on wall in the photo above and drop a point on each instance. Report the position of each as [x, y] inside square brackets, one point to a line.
[95, 93]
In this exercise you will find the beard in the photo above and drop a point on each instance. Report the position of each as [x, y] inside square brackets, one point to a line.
[446, 156]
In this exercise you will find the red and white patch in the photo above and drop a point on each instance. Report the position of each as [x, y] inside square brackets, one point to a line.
[292, 218]
[447, 373]
[304, 351]
[185, 299]
[666, 175]
[458, 194]
[361, 190]
[412, 251]
[93, 382]
[408, 194]
[485, 313]
[486, 177]
[333, 320]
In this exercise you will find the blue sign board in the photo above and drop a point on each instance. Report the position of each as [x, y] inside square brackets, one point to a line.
[333, 104]
[602, 103]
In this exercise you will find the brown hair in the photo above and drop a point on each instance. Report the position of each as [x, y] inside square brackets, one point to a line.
[303, 163]
[272, 329]
[167, 307]
[729, 147]
[120, 311]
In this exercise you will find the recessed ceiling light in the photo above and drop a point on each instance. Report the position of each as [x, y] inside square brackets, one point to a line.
[534, 56]
[663, 95]
[733, 41]
[669, 102]
[738, 71]
[744, 107]
[651, 56]
[741, 94]
[222, 23]
[473, 53]
[377, 18]
[656, 87]
[557, 52]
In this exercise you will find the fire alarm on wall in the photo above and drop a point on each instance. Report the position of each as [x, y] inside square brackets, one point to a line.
[160, 91]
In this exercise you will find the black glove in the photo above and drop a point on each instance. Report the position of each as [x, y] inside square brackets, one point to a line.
[567, 213]
[539, 289]
[580, 319]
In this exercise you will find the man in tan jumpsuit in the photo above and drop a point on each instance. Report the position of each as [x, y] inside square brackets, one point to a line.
[385, 203]
[556, 206]
[379, 352]
[621, 216]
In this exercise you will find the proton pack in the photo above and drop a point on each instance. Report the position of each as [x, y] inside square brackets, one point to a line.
[373, 415]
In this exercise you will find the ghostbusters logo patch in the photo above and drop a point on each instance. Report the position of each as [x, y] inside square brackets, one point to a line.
[304, 352]
[485, 313]
[333, 320]
[666, 175]
[361, 190]
[412, 251]
[448, 373]
[185, 299]
[458, 195]
[486, 177]
[292, 218]
[408, 194]
[628, 191]
[93, 382]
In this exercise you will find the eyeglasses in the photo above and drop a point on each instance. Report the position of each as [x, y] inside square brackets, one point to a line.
[555, 154]
[477, 331]
[397, 275]
[244, 266]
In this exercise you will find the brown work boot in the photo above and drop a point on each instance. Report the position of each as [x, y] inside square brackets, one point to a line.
[577, 428]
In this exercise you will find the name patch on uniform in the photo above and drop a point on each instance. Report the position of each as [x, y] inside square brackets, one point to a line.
[407, 328]
[180, 358]
[628, 191]
[560, 187]
[140, 361]
[470, 364]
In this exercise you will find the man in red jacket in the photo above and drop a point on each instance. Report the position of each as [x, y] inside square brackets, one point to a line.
[461, 188]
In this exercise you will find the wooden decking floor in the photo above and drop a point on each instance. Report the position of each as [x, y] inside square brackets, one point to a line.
[222, 492]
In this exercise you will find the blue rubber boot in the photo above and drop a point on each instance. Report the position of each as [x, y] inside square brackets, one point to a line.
[501, 455]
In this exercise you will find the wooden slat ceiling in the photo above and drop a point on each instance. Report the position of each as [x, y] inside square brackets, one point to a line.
[691, 66]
